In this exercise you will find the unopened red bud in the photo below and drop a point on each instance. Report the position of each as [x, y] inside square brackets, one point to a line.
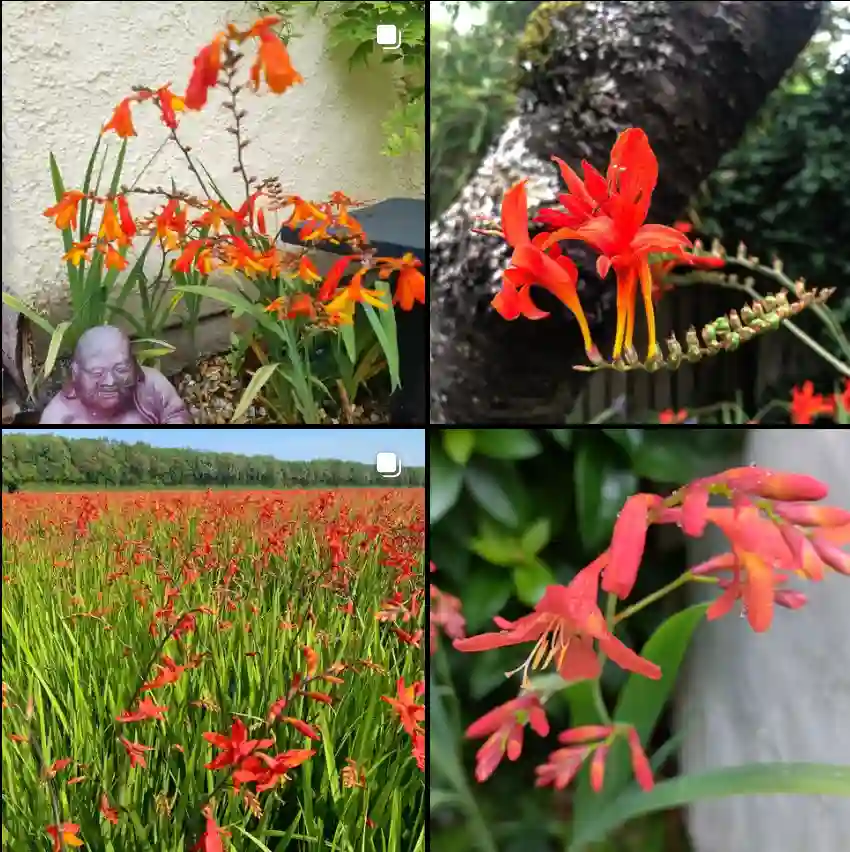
[812, 516]
[790, 599]
[833, 556]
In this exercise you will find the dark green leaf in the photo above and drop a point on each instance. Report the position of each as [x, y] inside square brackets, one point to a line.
[601, 488]
[531, 580]
[446, 479]
[498, 490]
[536, 537]
[459, 444]
[485, 595]
[509, 444]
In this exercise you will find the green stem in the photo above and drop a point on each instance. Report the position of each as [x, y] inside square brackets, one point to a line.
[687, 577]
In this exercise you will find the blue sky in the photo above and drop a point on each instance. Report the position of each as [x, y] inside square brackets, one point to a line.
[288, 444]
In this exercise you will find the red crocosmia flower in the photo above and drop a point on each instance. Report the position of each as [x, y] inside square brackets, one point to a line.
[627, 544]
[136, 752]
[169, 672]
[564, 625]
[207, 64]
[409, 712]
[321, 697]
[146, 710]
[187, 258]
[503, 727]
[128, 226]
[831, 554]
[210, 839]
[312, 659]
[108, 812]
[267, 771]
[57, 766]
[759, 552]
[807, 515]
[334, 276]
[65, 833]
[302, 727]
[806, 404]
[445, 613]
[273, 61]
[769, 484]
[640, 762]
[418, 749]
[122, 120]
[235, 747]
[558, 274]
[668, 416]
[169, 106]
[515, 215]
[621, 237]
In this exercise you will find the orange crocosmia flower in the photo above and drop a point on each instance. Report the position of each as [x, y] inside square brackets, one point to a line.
[312, 658]
[806, 404]
[146, 710]
[504, 727]
[302, 727]
[206, 66]
[122, 120]
[216, 216]
[136, 752]
[114, 260]
[79, 251]
[307, 271]
[267, 771]
[409, 712]
[169, 106]
[65, 210]
[354, 291]
[108, 812]
[410, 286]
[564, 626]
[110, 228]
[273, 61]
[65, 833]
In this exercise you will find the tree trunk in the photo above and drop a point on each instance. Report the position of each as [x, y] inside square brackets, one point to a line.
[692, 75]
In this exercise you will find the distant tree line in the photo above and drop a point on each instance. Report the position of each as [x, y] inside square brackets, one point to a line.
[51, 460]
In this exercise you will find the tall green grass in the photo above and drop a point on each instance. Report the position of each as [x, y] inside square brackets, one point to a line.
[67, 677]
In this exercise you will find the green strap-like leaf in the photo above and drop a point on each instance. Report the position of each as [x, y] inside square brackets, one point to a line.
[759, 779]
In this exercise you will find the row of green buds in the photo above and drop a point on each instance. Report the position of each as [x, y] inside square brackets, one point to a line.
[724, 334]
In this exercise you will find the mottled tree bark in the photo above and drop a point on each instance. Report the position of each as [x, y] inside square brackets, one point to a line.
[692, 75]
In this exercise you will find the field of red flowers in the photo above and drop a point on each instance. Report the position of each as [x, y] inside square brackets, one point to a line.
[213, 670]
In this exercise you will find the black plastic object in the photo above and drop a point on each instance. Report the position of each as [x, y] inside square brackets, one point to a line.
[394, 228]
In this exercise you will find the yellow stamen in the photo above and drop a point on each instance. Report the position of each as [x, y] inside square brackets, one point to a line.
[646, 287]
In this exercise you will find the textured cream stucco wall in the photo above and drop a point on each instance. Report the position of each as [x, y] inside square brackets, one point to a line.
[67, 64]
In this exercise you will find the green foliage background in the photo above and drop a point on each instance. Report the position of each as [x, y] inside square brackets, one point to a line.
[510, 512]
[352, 33]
